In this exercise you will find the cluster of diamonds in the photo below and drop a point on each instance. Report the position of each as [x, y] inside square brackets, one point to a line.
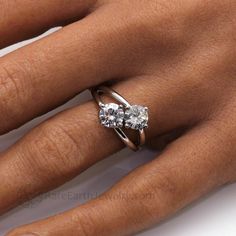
[117, 116]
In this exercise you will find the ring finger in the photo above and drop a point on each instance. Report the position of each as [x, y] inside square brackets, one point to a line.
[65, 145]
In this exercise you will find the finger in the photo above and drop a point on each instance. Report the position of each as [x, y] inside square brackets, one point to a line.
[188, 169]
[82, 55]
[72, 141]
[24, 19]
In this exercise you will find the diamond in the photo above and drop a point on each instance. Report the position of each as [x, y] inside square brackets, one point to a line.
[136, 117]
[112, 115]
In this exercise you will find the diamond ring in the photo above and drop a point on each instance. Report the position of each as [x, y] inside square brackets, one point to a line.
[121, 115]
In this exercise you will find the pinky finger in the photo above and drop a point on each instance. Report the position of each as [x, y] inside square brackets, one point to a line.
[189, 168]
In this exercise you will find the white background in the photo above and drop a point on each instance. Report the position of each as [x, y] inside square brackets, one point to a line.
[215, 215]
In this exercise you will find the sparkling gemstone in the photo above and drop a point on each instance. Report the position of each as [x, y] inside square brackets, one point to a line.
[112, 115]
[136, 117]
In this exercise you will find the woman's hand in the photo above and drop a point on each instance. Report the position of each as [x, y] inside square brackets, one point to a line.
[178, 57]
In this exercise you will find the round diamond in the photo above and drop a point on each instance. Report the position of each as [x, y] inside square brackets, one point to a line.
[136, 117]
[112, 115]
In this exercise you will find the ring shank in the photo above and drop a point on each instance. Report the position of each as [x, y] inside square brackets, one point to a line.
[97, 92]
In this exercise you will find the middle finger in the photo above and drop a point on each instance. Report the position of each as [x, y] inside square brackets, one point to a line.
[37, 78]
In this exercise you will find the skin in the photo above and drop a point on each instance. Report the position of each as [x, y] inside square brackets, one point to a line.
[176, 57]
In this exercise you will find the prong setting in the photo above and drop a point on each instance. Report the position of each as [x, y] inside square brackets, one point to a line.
[111, 115]
[136, 117]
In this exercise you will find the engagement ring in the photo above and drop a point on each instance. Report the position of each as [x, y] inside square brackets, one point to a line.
[121, 115]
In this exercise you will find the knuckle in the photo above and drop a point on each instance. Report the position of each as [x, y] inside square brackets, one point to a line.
[56, 149]
[161, 192]
[59, 148]
[166, 191]
[11, 89]
[62, 146]
[164, 184]
[85, 224]
[11, 83]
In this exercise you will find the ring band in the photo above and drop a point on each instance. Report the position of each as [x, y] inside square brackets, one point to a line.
[121, 115]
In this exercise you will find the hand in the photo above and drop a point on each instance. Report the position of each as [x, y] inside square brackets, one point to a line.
[176, 57]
